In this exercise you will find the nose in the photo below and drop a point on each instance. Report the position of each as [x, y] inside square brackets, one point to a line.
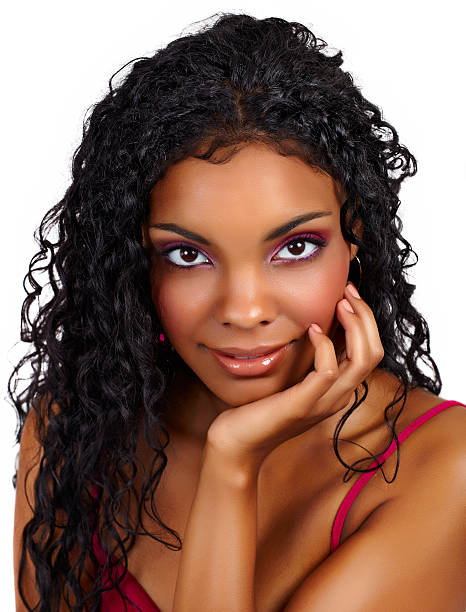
[245, 299]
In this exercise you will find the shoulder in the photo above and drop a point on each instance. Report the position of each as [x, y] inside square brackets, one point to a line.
[444, 457]
[440, 430]
[426, 478]
[434, 449]
[424, 434]
[440, 442]
[430, 461]
[415, 537]
[425, 503]
[439, 437]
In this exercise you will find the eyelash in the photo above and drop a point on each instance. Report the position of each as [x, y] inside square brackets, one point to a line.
[312, 238]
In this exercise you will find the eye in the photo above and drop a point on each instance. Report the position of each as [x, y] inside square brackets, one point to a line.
[302, 247]
[185, 254]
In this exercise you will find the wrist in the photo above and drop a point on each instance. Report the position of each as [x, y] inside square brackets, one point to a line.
[234, 470]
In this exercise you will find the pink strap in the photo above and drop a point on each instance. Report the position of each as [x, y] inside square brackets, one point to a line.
[365, 477]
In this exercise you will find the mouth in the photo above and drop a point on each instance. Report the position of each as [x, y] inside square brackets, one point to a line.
[251, 365]
[250, 352]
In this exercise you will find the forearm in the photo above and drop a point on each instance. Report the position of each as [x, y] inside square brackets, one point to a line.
[217, 564]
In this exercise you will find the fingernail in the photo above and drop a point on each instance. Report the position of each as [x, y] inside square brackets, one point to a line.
[316, 328]
[352, 289]
[347, 305]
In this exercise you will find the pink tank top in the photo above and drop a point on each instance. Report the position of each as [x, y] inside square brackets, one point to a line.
[130, 587]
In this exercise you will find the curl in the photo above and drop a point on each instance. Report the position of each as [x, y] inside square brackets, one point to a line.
[99, 379]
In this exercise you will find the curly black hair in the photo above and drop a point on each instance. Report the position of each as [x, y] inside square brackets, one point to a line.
[98, 375]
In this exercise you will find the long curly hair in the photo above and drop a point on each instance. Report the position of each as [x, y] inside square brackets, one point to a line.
[98, 373]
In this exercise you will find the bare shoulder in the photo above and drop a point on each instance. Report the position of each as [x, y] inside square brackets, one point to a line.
[437, 437]
[441, 430]
[438, 444]
[441, 435]
[434, 452]
[415, 537]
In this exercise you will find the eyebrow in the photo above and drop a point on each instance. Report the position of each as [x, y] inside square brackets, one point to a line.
[275, 233]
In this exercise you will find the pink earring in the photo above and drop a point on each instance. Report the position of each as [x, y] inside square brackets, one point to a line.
[165, 342]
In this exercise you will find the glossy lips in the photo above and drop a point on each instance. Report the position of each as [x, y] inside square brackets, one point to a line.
[259, 351]
[251, 367]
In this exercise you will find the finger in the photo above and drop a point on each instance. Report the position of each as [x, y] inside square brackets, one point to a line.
[364, 312]
[317, 382]
[325, 359]
[347, 377]
[363, 348]
[356, 341]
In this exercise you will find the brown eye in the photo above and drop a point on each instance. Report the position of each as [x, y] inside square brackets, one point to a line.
[188, 254]
[300, 249]
[182, 255]
[296, 247]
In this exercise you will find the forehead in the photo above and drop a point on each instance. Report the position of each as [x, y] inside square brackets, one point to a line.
[255, 180]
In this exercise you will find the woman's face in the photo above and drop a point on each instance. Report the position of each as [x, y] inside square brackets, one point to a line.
[240, 282]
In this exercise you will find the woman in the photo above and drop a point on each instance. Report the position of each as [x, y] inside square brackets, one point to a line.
[208, 403]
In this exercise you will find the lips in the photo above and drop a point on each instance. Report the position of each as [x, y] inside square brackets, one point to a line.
[257, 351]
[255, 365]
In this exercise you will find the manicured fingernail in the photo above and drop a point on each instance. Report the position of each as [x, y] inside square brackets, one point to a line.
[347, 305]
[352, 289]
[316, 328]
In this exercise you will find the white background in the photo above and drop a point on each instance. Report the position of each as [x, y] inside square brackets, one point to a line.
[57, 59]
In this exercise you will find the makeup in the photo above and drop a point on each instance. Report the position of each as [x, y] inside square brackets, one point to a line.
[275, 261]
[308, 239]
[256, 366]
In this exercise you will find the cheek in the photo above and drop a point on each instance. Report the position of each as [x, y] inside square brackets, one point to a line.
[317, 298]
[178, 315]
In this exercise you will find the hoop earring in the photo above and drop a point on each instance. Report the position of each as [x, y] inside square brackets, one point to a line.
[360, 271]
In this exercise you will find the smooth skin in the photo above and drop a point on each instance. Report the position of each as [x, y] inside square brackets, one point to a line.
[245, 291]
[252, 482]
[238, 295]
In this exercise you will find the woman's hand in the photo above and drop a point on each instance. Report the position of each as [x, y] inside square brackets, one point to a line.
[245, 435]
